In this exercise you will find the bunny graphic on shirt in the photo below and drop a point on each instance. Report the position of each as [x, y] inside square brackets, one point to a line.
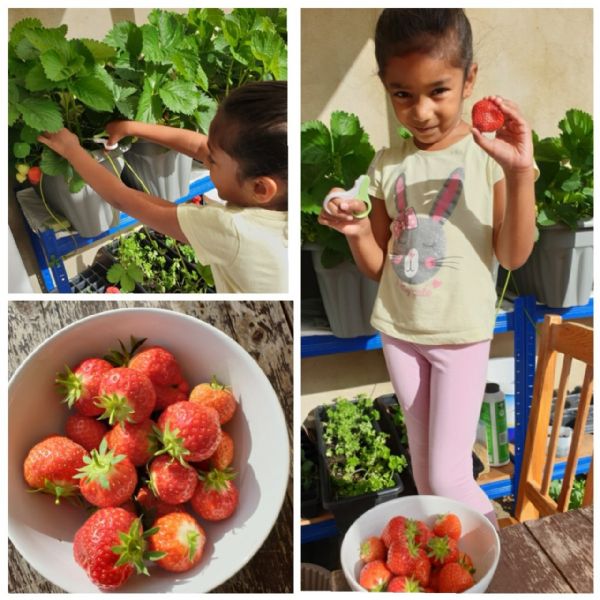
[419, 241]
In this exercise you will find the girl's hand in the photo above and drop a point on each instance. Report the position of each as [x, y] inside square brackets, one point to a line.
[63, 142]
[117, 130]
[512, 148]
[342, 217]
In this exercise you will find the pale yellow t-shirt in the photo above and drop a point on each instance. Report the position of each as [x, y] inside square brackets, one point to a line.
[246, 248]
[437, 285]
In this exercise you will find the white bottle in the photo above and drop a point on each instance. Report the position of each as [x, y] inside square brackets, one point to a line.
[493, 414]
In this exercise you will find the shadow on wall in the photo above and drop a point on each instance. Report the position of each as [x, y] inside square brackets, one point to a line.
[346, 38]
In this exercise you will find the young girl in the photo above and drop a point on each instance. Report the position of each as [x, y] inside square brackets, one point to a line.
[444, 202]
[246, 151]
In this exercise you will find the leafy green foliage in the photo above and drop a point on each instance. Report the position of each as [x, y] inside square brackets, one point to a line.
[577, 492]
[178, 67]
[308, 472]
[565, 188]
[168, 266]
[358, 456]
[330, 157]
[398, 419]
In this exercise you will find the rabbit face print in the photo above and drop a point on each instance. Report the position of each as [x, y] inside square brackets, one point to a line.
[419, 241]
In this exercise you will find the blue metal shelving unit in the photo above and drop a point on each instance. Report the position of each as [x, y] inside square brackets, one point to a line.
[522, 321]
[50, 250]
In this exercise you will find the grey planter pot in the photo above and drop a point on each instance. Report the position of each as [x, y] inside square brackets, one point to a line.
[165, 173]
[89, 214]
[348, 297]
[560, 270]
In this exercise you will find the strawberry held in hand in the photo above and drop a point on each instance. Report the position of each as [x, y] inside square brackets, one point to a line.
[181, 538]
[51, 466]
[486, 116]
[110, 546]
[106, 479]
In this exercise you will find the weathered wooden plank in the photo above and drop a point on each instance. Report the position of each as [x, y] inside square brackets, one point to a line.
[587, 512]
[567, 538]
[264, 329]
[524, 567]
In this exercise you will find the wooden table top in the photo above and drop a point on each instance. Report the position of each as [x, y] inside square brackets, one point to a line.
[264, 329]
[551, 554]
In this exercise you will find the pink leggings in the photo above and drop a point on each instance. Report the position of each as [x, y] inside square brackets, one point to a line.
[440, 390]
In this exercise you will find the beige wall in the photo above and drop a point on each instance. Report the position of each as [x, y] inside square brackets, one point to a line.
[540, 58]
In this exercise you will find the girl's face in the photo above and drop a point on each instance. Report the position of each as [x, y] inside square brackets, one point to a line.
[427, 94]
[223, 169]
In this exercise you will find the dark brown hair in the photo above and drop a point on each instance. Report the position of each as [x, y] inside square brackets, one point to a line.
[437, 31]
[251, 126]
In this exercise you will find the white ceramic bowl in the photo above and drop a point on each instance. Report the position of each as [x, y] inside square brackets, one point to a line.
[43, 533]
[479, 539]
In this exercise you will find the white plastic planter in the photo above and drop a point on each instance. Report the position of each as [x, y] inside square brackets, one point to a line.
[165, 173]
[89, 214]
[560, 270]
[348, 297]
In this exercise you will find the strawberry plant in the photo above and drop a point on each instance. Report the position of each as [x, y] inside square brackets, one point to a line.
[55, 82]
[358, 457]
[330, 157]
[176, 68]
[564, 190]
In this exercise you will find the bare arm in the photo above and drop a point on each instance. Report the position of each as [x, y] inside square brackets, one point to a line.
[514, 196]
[155, 212]
[367, 238]
[187, 142]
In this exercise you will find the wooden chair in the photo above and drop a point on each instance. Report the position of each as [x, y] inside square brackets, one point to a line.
[573, 341]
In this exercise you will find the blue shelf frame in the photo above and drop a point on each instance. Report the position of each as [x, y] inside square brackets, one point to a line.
[50, 250]
[522, 321]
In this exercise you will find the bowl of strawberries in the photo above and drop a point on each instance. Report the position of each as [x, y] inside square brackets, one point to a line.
[137, 455]
[420, 544]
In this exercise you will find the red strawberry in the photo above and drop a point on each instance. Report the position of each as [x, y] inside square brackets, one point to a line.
[163, 370]
[434, 578]
[418, 532]
[80, 386]
[218, 396]
[189, 432]
[486, 116]
[442, 550]
[86, 431]
[402, 556]
[106, 479]
[454, 578]
[52, 464]
[394, 529]
[153, 507]
[447, 524]
[466, 561]
[422, 569]
[181, 538]
[112, 289]
[110, 546]
[374, 576]
[34, 175]
[126, 395]
[222, 457]
[372, 549]
[216, 497]
[401, 583]
[137, 441]
[171, 481]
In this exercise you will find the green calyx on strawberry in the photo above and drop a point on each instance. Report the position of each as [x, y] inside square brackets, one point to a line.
[116, 408]
[99, 465]
[71, 386]
[121, 358]
[58, 490]
[172, 444]
[217, 480]
[132, 549]
[442, 550]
